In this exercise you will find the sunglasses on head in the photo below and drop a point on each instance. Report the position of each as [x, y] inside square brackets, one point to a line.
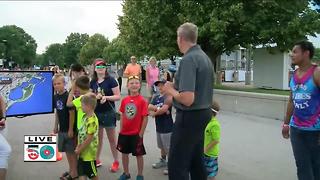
[213, 110]
[133, 77]
[100, 67]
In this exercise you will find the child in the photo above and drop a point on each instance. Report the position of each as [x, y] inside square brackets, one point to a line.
[76, 70]
[107, 92]
[160, 108]
[134, 112]
[62, 126]
[88, 139]
[211, 143]
[83, 85]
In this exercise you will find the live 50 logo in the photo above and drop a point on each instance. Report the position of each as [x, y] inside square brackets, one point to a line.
[40, 148]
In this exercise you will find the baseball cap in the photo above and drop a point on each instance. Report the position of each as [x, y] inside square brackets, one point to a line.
[160, 81]
[100, 63]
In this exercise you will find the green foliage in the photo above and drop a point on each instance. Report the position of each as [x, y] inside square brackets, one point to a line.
[93, 48]
[116, 52]
[17, 45]
[54, 55]
[72, 47]
[316, 56]
[40, 60]
[149, 27]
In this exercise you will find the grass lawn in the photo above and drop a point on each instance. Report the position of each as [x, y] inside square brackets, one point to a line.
[255, 90]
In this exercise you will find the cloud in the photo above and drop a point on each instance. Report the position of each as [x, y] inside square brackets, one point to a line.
[51, 22]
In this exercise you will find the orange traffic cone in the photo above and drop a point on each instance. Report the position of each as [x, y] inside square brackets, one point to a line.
[59, 154]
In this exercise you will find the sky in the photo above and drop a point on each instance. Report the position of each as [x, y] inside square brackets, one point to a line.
[51, 22]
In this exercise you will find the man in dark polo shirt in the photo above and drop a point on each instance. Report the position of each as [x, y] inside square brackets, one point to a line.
[192, 92]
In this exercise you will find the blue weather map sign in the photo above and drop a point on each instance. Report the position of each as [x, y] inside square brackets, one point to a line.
[27, 92]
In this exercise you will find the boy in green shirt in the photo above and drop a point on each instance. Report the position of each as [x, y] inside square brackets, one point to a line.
[211, 143]
[88, 139]
[82, 85]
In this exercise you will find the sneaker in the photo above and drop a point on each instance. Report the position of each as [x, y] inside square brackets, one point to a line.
[99, 163]
[114, 166]
[139, 177]
[165, 172]
[160, 164]
[124, 176]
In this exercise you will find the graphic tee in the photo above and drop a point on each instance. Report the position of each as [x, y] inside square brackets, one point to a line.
[133, 109]
[89, 126]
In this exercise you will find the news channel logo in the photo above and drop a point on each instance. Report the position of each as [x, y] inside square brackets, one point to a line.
[38, 148]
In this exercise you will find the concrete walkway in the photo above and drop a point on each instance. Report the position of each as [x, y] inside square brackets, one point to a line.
[251, 149]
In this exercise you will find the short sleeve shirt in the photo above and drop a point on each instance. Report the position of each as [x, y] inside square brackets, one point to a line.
[133, 70]
[195, 74]
[60, 104]
[153, 75]
[212, 133]
[105, 88]
[77, 104]
[133, 109]
[164, 122]
[89, 126]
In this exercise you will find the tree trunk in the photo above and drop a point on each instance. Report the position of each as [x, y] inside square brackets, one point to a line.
[216, 66]
[214, 54]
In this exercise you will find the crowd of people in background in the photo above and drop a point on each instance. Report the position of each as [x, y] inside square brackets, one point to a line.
[83, 119]
[84, 103]
[85, 97]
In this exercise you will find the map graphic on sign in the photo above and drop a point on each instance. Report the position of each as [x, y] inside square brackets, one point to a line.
[27, 92]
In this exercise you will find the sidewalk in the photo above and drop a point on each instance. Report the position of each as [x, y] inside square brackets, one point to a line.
[251, 149]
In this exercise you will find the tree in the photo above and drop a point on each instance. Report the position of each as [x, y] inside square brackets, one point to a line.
[116, 52]
[54, 54]
[72, 47]
[223, 24]
[40, 60]
[316, 56]
[93, 48]
[17, 45]
[149, 27]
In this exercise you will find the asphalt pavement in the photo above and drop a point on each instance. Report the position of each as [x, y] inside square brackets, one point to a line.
[251, 149]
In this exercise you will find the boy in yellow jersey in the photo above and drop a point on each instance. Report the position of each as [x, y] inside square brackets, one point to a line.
[82, 84]
[88, 139]
[211, 143]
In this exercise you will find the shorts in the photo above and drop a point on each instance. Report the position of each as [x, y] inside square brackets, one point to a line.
[66, 144]
[131, 144]
[211, 164]
[163, 141]
[87, 168]
[107, 119]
